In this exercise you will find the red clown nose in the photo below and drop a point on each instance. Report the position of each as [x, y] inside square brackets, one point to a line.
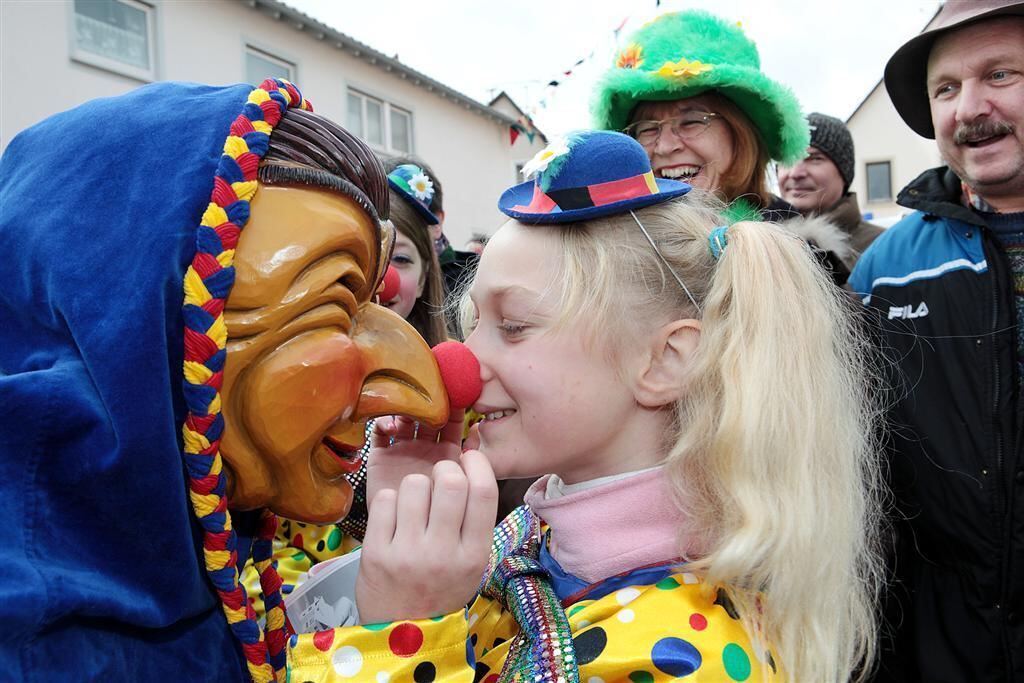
[389, 285]
[460, 371]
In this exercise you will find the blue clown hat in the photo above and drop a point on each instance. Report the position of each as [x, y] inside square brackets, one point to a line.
[414, 186]
[587, 175]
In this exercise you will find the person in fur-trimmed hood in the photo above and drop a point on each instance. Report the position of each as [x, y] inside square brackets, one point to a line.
[819, 184]
[688, 86]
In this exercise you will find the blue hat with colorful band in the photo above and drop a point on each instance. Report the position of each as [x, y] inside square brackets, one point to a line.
[587, 175]
[414, 186]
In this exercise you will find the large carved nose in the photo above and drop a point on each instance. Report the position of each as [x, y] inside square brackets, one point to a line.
[401, 374]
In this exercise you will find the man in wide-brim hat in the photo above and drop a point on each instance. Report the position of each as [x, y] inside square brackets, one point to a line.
[948, 283]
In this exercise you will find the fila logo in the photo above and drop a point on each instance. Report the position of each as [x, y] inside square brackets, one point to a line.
[908, 312]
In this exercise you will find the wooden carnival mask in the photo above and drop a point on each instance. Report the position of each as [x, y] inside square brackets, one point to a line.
[310, 356]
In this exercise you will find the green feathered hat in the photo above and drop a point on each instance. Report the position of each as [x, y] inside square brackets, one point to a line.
[684, 54]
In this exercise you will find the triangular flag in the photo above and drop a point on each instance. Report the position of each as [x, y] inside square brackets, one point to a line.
[513, 134]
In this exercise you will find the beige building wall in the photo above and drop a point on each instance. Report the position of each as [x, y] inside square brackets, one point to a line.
[880, 135]
[466, 143]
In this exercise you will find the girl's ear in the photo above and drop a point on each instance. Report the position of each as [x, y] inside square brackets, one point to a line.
[662, 373]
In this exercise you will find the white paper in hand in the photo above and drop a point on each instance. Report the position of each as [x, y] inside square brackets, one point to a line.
[326, 598]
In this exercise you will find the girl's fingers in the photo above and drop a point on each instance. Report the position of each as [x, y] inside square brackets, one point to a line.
[447, 502]
[481, 500]
[413, 509]
[405, 428]
[452, 432]
[383, 430]
[380, 526]
[472, 441]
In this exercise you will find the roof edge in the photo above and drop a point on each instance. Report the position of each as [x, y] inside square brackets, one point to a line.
[320, 31]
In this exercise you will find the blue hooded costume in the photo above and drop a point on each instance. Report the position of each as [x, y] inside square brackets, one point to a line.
[101, 565]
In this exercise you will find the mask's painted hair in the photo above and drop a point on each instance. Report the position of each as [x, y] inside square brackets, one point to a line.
[308, 149]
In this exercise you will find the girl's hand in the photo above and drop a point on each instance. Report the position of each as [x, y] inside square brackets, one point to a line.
[399, 447]
[428, 542]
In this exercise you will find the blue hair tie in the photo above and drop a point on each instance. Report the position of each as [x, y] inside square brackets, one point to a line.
[717, 241]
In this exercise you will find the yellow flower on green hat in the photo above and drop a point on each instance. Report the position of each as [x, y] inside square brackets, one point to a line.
[630, 57]
[683, 69]
[541, 159]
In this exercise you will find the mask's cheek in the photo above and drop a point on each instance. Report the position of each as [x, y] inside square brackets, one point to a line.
[294, 395]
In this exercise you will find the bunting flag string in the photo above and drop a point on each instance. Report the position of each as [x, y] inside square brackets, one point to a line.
[524, 125]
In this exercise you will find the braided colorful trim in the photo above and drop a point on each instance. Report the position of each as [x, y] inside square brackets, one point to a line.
[543, 650]
[208, 282]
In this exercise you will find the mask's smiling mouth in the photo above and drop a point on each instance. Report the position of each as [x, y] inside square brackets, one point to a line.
[346, 456]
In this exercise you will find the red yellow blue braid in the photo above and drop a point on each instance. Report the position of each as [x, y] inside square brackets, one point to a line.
[278, 628]
[208, 282]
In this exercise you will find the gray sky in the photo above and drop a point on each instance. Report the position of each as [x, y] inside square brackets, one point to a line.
[830, 52]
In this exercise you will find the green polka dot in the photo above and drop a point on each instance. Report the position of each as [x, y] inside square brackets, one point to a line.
[299, 556]
[641, 677]
[667, 584]
[377, 627]
[736, 661]
[334, 540]
[576, 608]
[437, 618]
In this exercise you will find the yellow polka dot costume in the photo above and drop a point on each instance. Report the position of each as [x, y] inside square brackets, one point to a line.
[654, 623]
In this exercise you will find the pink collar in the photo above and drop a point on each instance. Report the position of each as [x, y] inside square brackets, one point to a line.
[611, 528]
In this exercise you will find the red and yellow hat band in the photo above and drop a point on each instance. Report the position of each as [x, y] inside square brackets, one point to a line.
[600, 194]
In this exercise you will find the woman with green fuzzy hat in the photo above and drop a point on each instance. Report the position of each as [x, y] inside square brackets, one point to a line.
[688, 86]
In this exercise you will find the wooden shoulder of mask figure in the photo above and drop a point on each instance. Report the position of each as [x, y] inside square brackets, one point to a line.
[310, 356]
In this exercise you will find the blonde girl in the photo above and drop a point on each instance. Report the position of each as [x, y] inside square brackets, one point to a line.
[696, 395]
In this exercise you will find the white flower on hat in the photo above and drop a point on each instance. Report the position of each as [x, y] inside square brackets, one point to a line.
[556, 148]
[422, 187]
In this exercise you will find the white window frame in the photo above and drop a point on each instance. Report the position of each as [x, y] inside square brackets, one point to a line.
[116, 66]
[386, 107]
[867, 182]
[271, 56]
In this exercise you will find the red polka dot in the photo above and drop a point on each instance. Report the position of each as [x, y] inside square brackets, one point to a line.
[405, 640]
[323, 640]
[698, 622]
[297, 540]
[493, 678]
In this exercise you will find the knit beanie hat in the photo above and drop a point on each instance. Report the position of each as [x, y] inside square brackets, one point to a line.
[833, 139]
[683, 54]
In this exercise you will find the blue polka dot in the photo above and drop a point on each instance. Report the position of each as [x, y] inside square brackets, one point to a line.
[675, 656]
[470, 655]
[294, 640]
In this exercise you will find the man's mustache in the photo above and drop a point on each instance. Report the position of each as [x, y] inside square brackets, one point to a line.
[980, 130]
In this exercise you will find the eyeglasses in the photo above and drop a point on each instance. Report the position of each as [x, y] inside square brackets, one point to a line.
[686, 126]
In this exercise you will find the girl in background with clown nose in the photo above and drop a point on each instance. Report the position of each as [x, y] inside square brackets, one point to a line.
[696, 396]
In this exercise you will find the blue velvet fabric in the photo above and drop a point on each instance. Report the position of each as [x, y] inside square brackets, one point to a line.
[101, 571]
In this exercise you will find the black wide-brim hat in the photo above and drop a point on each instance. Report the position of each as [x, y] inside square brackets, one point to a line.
[906, 74]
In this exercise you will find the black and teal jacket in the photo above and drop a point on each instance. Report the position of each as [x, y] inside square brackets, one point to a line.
[941, 288]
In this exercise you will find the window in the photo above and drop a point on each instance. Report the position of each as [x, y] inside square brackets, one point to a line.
[116, 35]
[260, 65]
[879, 182]
[381, 124]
